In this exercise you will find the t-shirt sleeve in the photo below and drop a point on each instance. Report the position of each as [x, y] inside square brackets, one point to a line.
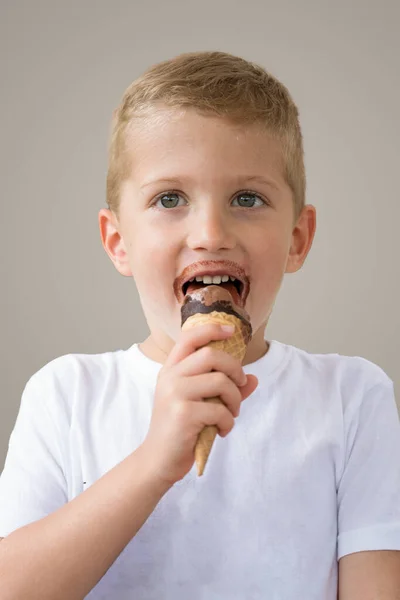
[369, 489]
[32, 484]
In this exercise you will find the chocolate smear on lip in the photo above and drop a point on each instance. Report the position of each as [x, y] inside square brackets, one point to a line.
[215, 298]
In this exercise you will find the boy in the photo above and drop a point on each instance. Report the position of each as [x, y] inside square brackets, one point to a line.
[99, 496]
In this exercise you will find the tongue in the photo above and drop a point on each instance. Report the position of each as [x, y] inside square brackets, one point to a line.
[228, 286]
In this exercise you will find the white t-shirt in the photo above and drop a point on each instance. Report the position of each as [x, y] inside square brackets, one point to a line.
[310, 472]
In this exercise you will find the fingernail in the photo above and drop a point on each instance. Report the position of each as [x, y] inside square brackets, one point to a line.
[228, 328]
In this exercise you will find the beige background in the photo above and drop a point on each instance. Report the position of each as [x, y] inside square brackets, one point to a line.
[64, 67]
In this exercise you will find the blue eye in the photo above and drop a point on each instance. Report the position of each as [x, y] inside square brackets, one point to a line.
[247, 198]
[171, 200]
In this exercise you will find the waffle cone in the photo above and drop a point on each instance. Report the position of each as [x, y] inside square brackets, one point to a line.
[235, 346]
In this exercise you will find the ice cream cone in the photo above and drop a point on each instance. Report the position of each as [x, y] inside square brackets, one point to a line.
[235, 345]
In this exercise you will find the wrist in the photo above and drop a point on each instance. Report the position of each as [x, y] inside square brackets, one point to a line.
[152, 470]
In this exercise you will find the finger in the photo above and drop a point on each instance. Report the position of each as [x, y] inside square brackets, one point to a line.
[193, 339]
[248, 388]
[215, 385]
[209, 414]
[209, 359]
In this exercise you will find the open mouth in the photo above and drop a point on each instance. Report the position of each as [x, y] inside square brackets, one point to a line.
[225, 273]
[235, 288]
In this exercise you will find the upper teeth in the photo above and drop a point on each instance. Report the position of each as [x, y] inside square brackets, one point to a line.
[208, 279]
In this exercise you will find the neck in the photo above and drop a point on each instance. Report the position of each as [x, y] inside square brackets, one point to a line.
[158, 350]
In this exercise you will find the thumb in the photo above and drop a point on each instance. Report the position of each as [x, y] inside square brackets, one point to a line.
[249, 387]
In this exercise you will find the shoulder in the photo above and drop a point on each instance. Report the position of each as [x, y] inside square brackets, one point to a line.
[63, 378]
[76, 365]
[347, 373]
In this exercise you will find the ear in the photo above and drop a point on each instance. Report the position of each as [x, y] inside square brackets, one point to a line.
[113, 242]
[302, 239]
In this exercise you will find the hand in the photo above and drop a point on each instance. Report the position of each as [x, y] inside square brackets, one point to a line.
[190, 374]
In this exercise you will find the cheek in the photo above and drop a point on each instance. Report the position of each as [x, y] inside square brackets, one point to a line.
[269, 251]
[150, 247]
[269, 263]
[153, 263]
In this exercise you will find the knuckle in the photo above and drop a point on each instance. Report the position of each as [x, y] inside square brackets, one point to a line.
[207, 353]
[228, 417]
[180, 411]
[228, 424]
[169, 388]
[235, 403]
[187, 335]
[161, 373]
[239, 376]
[229, 386]
[221, 380]
[237, 366]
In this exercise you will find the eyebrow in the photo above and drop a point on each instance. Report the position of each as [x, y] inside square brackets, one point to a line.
[239, 179]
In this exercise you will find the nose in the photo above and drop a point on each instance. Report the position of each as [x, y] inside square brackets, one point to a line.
[211, 230]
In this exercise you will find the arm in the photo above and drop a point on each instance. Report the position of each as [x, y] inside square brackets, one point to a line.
[64, 555]
[369, 499]
[371, 575]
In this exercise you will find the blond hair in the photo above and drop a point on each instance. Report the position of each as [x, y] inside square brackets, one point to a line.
[213, 83]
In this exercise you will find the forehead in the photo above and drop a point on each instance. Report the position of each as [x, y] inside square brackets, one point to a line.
[167, 136]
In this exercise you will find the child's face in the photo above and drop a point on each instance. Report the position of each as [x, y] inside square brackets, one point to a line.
[193, 196]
